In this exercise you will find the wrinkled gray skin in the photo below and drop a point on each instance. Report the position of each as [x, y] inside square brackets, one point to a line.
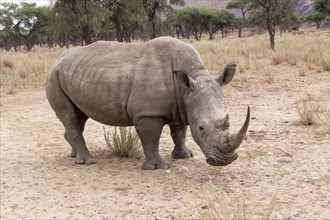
[146, 85]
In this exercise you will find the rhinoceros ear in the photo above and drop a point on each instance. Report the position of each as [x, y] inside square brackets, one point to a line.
[227, 75]
[186, 82]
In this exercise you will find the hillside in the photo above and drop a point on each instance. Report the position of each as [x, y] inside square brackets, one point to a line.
[303, 7]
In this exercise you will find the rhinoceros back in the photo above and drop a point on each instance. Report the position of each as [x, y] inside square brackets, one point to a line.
[115, 83]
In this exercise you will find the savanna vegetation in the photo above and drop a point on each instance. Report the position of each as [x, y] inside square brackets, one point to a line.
[280, 70]
[71, 22]
[307, 50]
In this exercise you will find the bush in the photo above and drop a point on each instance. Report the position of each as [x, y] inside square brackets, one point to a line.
[124, 143]
[311, 111]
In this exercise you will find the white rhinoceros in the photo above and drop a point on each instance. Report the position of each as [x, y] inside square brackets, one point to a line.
[146, 85]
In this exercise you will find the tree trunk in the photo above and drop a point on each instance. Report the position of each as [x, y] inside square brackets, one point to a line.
[222, 32]
[271, 32]
[66, 40]
[240, 32]
[29, 45]
[153, 29]
[119, 33]
[86, 34]
[182, 32]
[196, 34]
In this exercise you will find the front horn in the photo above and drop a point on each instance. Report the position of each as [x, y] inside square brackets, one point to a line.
[230, 142]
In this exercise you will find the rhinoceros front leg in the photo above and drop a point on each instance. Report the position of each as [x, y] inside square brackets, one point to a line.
[149, 131]
[178, 133]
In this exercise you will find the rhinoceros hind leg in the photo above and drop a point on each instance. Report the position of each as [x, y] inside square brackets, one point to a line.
[149, 131]
[178, 133]
[74, 128]
[72, 118]
[73, 151]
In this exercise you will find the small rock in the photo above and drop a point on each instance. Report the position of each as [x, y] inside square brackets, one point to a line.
[182, 169]
[145, 199]
[315, 177]
[204, 206]
[270, 153]
[207, 178]
[168, 171]
[284, 161]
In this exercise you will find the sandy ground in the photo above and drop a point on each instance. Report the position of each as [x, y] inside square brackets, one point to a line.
[283, 165]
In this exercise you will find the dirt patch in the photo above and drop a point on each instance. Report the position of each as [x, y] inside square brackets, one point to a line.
[280, 158]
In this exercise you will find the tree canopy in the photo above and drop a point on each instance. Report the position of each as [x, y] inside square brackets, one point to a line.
[85, 21]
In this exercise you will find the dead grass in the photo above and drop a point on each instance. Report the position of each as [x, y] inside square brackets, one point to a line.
[311, 111]
[253, 154]
[221, 206]
[25, 70]
[8, 64]
[310, 50]
[124, 143]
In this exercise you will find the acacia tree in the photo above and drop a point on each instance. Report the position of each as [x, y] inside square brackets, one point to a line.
[86, 15]
[24, 21]
[245, 7]
[133, 20]
[33, 20]
[322, 6]
[8, 18]
[190, 18]
[153, 8]
[321, 12]
[315, 17]
[125, 15]
[116, 10]
[272, 13]
[214, 20]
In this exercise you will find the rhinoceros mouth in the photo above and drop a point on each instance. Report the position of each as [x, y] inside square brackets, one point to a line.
[222, 159]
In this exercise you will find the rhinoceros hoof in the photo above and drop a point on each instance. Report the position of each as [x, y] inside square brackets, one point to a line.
[154, 164]
[85, 161]
[182, 153]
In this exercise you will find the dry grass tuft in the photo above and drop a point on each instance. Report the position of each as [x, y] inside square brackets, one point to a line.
[302, 71]
[124, 143]
[270, 76]
[311, 112]
[8, 64]
[253, 154]
[219, 206]
[325, 63]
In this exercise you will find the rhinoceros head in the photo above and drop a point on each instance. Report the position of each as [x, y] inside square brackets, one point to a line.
[204, 112]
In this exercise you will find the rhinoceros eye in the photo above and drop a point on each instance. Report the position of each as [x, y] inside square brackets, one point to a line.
[201, 129]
